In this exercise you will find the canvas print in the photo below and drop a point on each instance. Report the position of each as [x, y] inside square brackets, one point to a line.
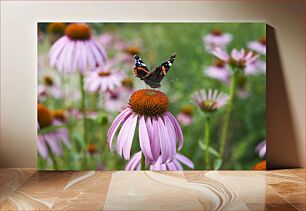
[151, 96]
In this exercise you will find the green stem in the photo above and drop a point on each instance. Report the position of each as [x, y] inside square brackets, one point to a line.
[83, 110]
[207, 140]
[228, 112]
[142, 164]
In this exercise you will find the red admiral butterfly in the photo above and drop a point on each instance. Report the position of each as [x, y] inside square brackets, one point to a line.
[154, 77]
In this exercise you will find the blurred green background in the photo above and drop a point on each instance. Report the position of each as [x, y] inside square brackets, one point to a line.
[157, 41]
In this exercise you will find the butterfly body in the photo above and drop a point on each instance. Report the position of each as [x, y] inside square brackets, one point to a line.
[154, 77]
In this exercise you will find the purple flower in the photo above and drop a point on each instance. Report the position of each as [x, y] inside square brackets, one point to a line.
[237, 58]
[218, 71]
[158, 129]
[210, 101]
[51, 139]
[117, 100]
[49, 88]
[77, 50]
[103, 80]
[259, 46]
[185, 116]
[174, 165]
[216, 39]
[255, 67]
[261, 149]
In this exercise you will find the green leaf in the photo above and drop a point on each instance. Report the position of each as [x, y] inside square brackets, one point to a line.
[217, 164]
[50, 129]
[210, 149]
[79, 140]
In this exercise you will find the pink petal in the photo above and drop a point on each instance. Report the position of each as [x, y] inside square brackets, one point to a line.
[184, 160]
[171, 136]
[42, 148]
[116, 123]
[128, 143]
[163, 139]
[144, 140]
[123, 135]
[178, 130]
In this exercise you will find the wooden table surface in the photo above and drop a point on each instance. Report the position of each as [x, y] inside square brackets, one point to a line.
[28, 189]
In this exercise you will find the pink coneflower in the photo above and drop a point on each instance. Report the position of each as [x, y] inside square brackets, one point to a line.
[210, 101]
[103, 80]
[259, 46]
[49, 88]
[50, 140]
[237, 59]
[77, 50]
[255, 67]
[219, 71]
[185, 116]
[216, 39]
[55, 31]
[158, 128]
[261, 149]
[111, 40]
[175, 165]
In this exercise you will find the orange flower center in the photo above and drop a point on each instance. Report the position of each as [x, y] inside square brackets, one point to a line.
[104, 73]
[149, 102]
[187, 110]
[216, 32]
[56, 28]
[44, 116]
[132, 50]
[92, 148]
[208, 106]
[78, 31]
[261, 166]
[48, 81]
[59, 114]
[263, 40]
[219, 63]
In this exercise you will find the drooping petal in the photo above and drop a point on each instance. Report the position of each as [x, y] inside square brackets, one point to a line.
[163, 140]
[128, 143]
[152, 132]
[178, 130]
[123, 135]
[41, 146]
[116, 123]
[184, 160]
[144, 140]
[171, 137]
[134, 162]
[54, 144]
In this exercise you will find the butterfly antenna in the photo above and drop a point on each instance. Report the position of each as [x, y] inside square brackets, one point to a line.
[136, 57]
[173, 56]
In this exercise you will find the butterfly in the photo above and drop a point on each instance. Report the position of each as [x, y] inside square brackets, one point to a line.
[154, 77]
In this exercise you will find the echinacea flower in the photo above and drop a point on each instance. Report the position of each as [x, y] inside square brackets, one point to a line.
[255, 67]
[261, 149]
[49, 88]
[185, 116]
[77, 50]
[117, 100]
[55, 31]
[218, 70]
[158, 129]
[216, 39]
[237, 59]
[50, 140]
[175, 165]
[103, 80]
[259, 45]
[210, 101]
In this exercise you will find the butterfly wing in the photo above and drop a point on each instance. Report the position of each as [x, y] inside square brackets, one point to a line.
[140, 68]
[154, 77]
